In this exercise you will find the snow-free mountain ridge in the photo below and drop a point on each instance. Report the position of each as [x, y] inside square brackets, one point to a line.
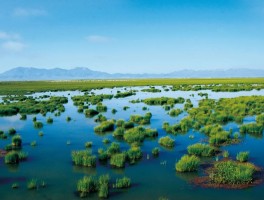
[31, 73]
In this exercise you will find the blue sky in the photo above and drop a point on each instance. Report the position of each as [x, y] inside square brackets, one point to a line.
[133, 36]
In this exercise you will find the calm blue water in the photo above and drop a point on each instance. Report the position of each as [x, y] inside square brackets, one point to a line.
[50, 160]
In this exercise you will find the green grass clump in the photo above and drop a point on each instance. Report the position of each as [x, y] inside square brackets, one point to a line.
[118, 160]
[34, 119]
[23, 117]
[32, 184]
[225, 154]
[89, 184]
[106, 141]
[113, 149]
[135, 101]
[101, 108]
[187, 106]
[105, 126]
[41, 134]
[180, 128]
[91, 112]
[120, 123]
[80, 109]
[128, 125]
[252, 128]
[167, 142]
[10, 147]
[100, 118]
[260, 119]
[167, 107]
[220, 138]
[124, 94]
[119, 132]
[163, 101]
[103, 186]
[138, 134]
[175, 112]
[200, 149]
[236, 135]
[134, 154]
[217, 136]
[86, 185]
[125, 108]
[11, 131]
[187, 164]
[151, 133]
[103, 191]
[68, 118]
[32, 105]
[12, 158]
[124, 182]
[114, 111]
[211, 129]
[226, 110]
[104, 179]
[231, 172]
[17, 141]
[242, 156]
[38, 124]
[3, 135]
[151, 89]
[142, 120]
[88, 144]
[83, 158]
[93, 99]
[155, 151]
[102, 155]
[49, 120]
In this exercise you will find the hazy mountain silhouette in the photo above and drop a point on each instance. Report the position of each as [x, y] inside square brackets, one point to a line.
[30, 73]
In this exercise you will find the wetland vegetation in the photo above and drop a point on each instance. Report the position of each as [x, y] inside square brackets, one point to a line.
[203, 129]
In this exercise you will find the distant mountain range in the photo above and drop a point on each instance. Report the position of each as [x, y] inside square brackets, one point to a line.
[30, 73]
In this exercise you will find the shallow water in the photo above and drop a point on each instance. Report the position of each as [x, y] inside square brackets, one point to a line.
[50, 160]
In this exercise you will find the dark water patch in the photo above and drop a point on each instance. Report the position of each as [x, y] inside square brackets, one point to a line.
[9, 180]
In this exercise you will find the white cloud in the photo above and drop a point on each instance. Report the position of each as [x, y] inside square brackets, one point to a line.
[26, 12]
[11, 42]
[98, 39]
[9, 36]
[13, 46]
